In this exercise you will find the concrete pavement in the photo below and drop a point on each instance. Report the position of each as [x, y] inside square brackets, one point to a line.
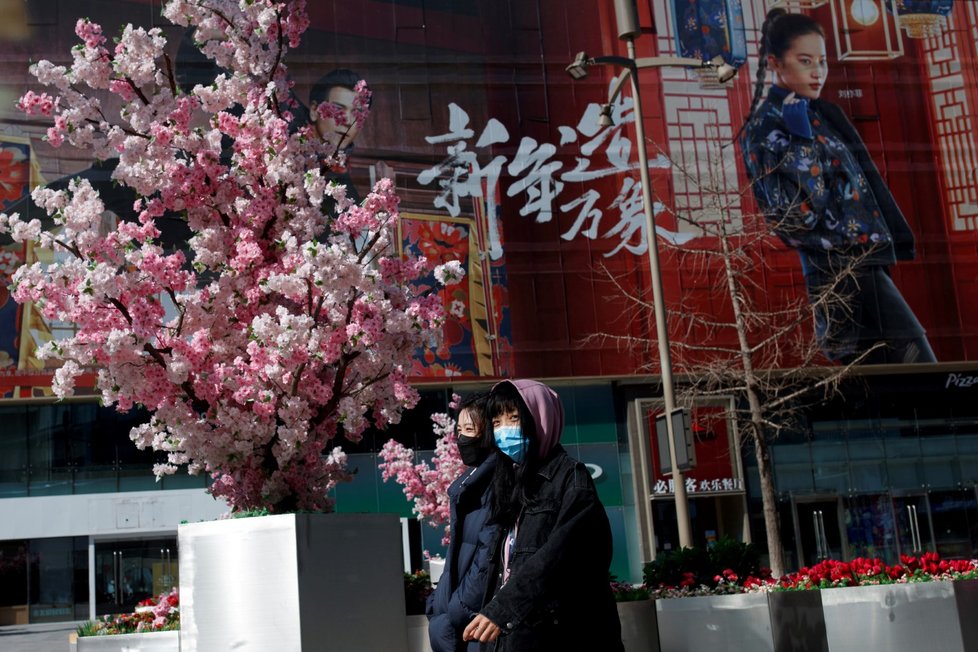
[51, 637]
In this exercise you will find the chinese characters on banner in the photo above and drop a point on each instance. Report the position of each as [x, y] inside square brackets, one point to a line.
[539, 180]
[663, 487]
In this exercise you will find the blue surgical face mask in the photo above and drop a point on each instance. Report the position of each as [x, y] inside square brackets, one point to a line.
[511, 442]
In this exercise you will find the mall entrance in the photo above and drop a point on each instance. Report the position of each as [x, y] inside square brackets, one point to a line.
[130, 570]
[881, 525]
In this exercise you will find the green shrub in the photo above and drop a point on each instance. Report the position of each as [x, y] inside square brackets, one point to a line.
[726, 560]
[417, 588]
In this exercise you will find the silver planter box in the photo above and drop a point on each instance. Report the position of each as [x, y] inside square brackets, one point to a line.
[777, 622]
[902, 617]
[732, 623]
[147, 642]
[638, 627]
[313, 582]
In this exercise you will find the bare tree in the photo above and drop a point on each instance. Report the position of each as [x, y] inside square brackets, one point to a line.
[756, 343]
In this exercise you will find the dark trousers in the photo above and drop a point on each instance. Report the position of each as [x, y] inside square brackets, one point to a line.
[857, 310]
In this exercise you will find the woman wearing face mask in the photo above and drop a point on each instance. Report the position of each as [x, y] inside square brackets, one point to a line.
[821, 191]
[463, 583]
[548, 584]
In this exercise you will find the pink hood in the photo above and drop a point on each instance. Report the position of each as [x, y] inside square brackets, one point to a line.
[547, 411]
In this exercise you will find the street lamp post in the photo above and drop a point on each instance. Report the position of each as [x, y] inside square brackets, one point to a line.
[578, 70]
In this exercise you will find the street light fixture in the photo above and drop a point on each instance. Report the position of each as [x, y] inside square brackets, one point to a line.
[722, 70]
[578, 69]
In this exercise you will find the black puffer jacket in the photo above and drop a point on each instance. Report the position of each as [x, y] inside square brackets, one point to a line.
[557, 596]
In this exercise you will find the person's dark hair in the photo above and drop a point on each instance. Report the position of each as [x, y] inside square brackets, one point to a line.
[476, 404]
[512, 485]
[779, 31]
[341, 77]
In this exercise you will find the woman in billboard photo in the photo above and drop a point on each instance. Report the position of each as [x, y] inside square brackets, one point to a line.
[819, 189]
[548, 569]
[462, 586]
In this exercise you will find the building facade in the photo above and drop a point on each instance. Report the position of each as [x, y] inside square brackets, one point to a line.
[500, 162]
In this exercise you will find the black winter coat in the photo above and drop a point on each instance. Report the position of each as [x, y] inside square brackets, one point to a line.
[558, 596]
[462, 586]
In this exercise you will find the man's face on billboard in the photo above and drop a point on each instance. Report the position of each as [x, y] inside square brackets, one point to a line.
[341, 131]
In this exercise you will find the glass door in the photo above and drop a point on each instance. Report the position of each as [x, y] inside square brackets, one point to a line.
[915, 533]
[954, 514]
[129, 571]
[818, 529]
[870, 527]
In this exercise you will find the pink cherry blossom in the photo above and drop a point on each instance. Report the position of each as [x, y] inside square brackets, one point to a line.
[427, 486]
[281, 327]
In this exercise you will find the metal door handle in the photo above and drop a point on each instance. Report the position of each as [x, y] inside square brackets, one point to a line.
[821, 540]
[915, 522]
[910, 524]
[825, 538]
[818, 536]
[116, 573]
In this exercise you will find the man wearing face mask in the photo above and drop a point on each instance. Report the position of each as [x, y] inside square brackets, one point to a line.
[548, 567]
[459, 594]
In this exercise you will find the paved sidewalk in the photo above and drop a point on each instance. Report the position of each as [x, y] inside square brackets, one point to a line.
[52, 637]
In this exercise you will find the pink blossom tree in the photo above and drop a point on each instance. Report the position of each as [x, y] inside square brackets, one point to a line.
[287, 325]
[427, 486]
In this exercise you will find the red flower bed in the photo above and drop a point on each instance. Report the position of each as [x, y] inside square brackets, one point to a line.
[928, 567]
[861, 571]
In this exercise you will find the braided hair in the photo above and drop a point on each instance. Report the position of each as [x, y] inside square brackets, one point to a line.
[778, 33]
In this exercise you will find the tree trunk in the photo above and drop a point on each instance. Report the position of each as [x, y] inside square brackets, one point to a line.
[768, 497]
[769, 502]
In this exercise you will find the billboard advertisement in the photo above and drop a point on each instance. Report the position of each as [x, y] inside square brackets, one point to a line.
[843, 199]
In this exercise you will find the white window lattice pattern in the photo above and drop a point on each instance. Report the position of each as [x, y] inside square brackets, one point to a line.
[955, 116]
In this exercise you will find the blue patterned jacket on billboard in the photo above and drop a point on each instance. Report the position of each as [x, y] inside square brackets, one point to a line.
[818, 186]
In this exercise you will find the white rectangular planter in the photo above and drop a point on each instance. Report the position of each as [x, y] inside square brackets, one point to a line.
[292, 582]
[147, 642]
[902, 617]
[720, 623]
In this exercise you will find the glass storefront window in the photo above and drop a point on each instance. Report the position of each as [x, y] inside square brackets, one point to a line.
[792, 468]
[939, 463]
[955, 517]
[13, 582]
[43, 580]
[903, 462]
[866, 465]
[870, 527]
[51, 581]
[967, 457]
[76, 448]
[829, 466]
[129, 571]
[13, 452]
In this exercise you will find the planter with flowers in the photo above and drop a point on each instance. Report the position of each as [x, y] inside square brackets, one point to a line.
[716, 612]
[636, 612]
[286, 318]
[153, 627]
[922, 603]
[417, 588]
